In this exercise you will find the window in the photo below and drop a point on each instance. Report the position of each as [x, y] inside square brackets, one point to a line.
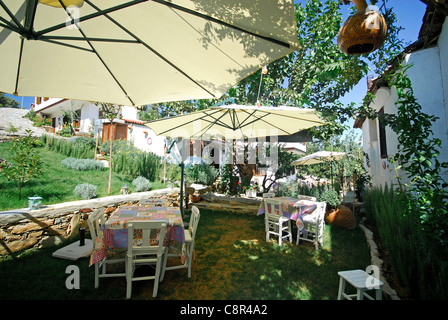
[382, 131]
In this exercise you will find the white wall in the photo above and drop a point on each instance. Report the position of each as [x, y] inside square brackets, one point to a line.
[443, 49]
[145, 139]
[429, 78]
[89, 112]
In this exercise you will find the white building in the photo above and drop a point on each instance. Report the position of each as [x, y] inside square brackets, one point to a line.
[127, 127]
[429, 77]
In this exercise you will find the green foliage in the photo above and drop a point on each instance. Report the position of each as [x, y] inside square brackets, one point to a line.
[118, 146]
[85, 191]
[331, 197]
[173, 172]
[229, 179]
[202, 173]
[133, 162]
[353, 161]
[38, 120]
[418, 152]
[141, 184]
[82, 164]
[422, 274]
[293, 189]
[11, 128]
[85, 141]
[26, 161]
[7, 102]
[69, 147]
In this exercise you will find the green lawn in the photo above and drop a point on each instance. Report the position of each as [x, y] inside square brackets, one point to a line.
[232, 261]
[56, 183]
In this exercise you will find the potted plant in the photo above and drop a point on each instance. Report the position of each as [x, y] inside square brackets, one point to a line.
[337, 214]
[250, 190]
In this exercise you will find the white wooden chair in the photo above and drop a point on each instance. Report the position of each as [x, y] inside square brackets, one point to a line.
[96, 222]
[314, 225]
[154, 202]
[275, 223]
[190, 235]
[301, 197]
[142, 250]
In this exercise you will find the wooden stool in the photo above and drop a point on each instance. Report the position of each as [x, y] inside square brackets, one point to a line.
[362, 281]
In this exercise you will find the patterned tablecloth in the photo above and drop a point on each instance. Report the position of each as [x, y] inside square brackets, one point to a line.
[114, 233]
[293, 209]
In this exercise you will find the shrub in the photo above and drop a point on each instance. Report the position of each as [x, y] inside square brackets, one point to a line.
[85, 141]
[85, 191]
[118, 146]
[141, 184]
[82, 164]
[137, 163]
[67, 147]
[331, 197]
[203, 174]
[422, 275]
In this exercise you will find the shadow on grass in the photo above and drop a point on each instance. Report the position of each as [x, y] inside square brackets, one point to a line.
[232, 261]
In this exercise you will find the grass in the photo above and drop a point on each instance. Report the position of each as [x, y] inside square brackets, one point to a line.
[56, 183]
[232, 262]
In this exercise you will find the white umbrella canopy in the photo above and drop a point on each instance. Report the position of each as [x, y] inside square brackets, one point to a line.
[319, 157]
[236, 122]
[137, 52]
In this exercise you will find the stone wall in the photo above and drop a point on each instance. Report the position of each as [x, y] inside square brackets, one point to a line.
[23, 228]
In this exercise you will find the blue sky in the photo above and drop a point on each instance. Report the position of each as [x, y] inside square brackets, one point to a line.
[409, 13]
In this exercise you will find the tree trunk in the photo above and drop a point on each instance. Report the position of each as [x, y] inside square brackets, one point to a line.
[110, 157]
[20, 188]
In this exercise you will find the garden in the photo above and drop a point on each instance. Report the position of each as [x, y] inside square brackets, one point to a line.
[232, 259]
[238, 239]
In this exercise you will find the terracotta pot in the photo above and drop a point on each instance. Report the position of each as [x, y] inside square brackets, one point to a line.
[363, 32]
[342, 217]
[195, 198]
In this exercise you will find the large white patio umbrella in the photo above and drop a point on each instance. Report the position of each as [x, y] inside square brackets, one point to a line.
[319, 157]
[137, 52]
[235, 122]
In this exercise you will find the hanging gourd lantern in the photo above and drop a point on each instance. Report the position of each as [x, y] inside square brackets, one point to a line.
[67, 3]
[363, 32]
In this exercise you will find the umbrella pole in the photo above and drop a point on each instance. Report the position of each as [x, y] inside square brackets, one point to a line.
[182, 188]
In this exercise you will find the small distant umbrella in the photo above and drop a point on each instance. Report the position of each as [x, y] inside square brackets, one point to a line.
[319, 157]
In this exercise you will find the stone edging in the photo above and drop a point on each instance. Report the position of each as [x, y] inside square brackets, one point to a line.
[377, 261]
[54, 210]
[22, 229]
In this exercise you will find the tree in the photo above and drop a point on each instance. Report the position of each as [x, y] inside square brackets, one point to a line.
[110, 112]
[26, 161]
[7, 102]
[284, 168]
